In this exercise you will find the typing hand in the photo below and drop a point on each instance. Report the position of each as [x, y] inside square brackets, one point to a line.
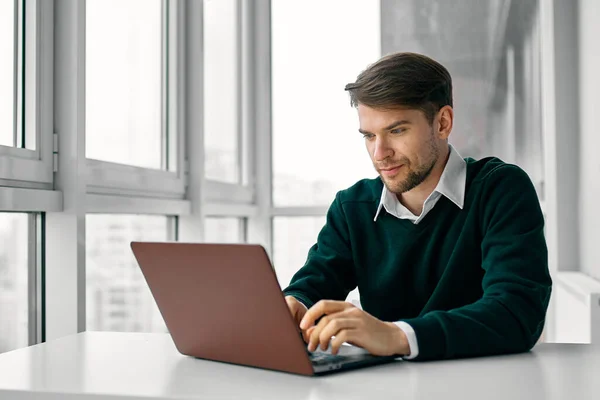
[350, 324]
[298, 311]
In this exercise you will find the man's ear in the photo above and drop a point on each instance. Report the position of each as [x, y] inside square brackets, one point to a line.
[445, 118]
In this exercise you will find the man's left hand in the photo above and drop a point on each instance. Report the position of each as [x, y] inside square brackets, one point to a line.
[352, 325]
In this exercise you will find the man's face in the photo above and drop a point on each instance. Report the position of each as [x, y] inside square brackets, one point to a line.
[402, 145]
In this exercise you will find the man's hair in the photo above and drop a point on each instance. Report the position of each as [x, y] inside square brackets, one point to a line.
[403, 80]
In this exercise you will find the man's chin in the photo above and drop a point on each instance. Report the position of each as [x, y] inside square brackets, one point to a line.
[394, 187]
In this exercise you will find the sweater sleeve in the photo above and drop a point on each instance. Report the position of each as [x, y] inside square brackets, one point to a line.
[329, 270]
[516, 284]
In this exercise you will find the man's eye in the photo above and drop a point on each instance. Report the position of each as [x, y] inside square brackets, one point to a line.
[399, 130]
[368, 136]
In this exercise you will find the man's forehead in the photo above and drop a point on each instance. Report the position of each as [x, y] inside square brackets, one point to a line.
[384, 117]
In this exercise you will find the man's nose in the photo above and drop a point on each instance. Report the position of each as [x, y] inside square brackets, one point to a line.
[383, 149]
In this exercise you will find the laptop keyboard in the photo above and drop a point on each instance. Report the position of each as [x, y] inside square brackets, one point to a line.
[325, 358]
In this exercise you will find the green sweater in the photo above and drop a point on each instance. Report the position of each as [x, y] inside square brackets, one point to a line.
[470, 282]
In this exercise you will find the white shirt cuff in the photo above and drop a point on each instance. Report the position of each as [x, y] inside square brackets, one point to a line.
[413, 345]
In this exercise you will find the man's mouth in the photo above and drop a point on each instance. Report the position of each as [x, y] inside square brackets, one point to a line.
[390, 171]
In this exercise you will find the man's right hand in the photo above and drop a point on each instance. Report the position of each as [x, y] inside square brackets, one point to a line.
[298, 310]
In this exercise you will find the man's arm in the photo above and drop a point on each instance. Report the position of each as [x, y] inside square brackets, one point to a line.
[516, 284]
[329, 270]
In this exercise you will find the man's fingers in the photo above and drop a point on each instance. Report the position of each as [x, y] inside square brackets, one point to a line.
[345, 335]
[314, 332]
[297, 309]
[333, 328]
[305, 336]
[323, 307]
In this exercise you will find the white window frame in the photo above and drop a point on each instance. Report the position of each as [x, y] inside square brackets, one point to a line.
[217, 192]
[109, 204]
[301, 211]
[212, 198]
[15, 199]
[26, 175]
[559, 82]
[119, 179]
[260, 225]
[92, 186]
[35, 288]
[243, 192]
[256, 119]
[21, 167]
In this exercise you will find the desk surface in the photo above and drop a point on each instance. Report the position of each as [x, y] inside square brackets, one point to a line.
[147, 366]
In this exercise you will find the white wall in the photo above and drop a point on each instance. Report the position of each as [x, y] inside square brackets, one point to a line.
[589, 90]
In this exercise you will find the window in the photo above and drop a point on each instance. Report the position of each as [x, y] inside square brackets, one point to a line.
[292, 238]
[317, 149]
[222, 93]
[14, 281]
[7, 72]
[26, 91]
[133, 94]
[118, 298]
[492, 50]
[224, 230]
[125, 82]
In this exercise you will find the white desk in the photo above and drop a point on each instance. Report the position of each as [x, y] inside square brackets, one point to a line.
[147, 366]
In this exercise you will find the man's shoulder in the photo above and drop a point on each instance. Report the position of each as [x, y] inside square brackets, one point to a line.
[363, 191]
[490, 180]
[493, 171]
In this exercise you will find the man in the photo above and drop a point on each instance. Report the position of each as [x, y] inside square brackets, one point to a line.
[448, 254]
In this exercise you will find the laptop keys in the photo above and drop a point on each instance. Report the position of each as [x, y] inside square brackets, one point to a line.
[324, 358]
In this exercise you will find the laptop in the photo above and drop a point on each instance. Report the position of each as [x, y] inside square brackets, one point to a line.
[222, 302]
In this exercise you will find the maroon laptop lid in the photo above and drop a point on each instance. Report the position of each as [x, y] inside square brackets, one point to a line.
[222, 302]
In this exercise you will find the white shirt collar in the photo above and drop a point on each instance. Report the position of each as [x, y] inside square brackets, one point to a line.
[452, 185]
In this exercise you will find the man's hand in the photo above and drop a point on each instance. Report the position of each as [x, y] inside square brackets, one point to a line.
[350, 324]
[298, 311]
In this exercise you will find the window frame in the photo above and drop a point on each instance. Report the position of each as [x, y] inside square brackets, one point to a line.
[241, 222]
[27, 174]
[105, 177]
[92, 186]
[242, 192]
[256, 117]
[35, 260]
[22, 167]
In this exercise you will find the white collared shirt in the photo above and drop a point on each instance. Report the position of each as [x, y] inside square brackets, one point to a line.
[452, 184]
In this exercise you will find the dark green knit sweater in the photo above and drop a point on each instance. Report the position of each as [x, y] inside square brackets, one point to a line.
[470, 282]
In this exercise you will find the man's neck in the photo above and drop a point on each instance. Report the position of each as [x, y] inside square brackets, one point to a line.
[414, 199]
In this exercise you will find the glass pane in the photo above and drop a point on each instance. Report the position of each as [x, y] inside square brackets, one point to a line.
[495, 69]
[292, 238]
[123, 81]
[118, 298]
[317, 149]
[14, 281]
[223, 230]
[221, 92]
[7, 72]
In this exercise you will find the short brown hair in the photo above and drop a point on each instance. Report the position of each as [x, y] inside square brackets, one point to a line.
[403, 80]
